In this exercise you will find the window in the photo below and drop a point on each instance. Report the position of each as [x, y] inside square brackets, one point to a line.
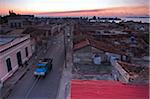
[26, 50]
[19, 25]
[15, 24]
[19, 59]
[8, 62]
[11, 25]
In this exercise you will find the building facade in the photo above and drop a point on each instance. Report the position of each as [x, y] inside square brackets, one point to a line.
[14, 52]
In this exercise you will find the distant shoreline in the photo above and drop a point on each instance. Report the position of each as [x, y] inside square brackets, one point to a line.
[138, 17]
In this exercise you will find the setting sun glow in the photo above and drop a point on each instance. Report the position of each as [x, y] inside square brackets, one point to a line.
[75, 7]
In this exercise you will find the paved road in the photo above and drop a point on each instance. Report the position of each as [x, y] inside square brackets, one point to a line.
[43, 88]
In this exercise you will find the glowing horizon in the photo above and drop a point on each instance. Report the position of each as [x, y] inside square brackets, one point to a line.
[115, 11]
[60, 7]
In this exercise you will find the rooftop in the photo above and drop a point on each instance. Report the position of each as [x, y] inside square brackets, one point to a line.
[6, 39]
[16, 31]
[136, 71]
[20, 17]
[91, 72]
[102, 89]
[99, 45]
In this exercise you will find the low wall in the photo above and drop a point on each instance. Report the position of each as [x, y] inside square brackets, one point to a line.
[123, 73]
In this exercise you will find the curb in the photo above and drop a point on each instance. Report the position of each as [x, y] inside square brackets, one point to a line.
[67, 86]
[58, 90]
[9, 89]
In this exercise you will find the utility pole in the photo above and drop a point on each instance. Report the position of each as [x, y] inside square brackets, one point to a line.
[65, 48]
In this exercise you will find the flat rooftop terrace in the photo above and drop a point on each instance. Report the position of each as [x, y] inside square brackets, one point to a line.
[6, 39]
[92, 72]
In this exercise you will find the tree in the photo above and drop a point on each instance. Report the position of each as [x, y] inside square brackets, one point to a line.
[11, 13]
[94, 17]
[81, 18]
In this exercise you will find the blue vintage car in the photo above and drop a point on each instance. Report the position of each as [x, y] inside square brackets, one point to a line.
[43, 67]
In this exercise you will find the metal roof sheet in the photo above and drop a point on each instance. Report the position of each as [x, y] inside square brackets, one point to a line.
[102, 89]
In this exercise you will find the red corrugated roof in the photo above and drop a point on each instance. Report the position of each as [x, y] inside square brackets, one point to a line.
[99, 45]
[81, 44]
[102, 89]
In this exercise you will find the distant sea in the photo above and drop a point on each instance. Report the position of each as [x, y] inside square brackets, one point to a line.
[136, 19]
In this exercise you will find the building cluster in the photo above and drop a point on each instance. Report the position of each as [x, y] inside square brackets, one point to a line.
[118, 46]
[14, 51]
[21, 36]
[107, 52]
[110, 60]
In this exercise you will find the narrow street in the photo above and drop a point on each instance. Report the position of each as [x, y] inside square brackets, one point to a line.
[74, 49]
[43, 88]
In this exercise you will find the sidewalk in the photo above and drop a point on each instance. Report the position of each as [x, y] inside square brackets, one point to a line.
[64, 87]
[65, 84]
[10, 82]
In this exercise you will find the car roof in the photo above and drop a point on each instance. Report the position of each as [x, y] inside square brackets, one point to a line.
[40, 64]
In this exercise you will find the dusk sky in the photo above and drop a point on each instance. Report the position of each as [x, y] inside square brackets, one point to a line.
[76, 7]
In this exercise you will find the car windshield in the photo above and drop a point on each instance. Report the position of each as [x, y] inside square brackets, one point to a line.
[40, 67]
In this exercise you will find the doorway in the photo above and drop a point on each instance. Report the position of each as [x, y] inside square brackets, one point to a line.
[8, 62]
[19, 59]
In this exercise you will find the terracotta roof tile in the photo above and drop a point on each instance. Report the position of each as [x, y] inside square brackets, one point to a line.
[99, 45]
[81, 44]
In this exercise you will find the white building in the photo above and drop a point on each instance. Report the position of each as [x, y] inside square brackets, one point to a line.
[15, 22]
[19, 21]
[14, 51]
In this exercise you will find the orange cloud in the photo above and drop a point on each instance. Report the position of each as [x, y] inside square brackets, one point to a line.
[117, 11]
[6, 11]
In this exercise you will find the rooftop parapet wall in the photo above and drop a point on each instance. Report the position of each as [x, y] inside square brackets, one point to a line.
[131, 72]
[17, 39]
[123, 73]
